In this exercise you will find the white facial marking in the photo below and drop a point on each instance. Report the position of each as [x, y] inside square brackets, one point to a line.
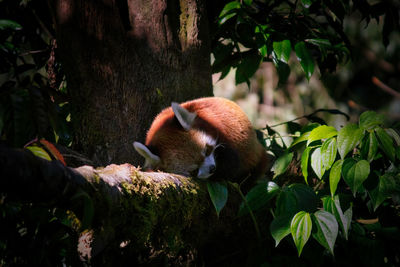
[207, 168]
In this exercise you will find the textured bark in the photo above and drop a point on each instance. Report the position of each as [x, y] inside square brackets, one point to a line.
[124, 62]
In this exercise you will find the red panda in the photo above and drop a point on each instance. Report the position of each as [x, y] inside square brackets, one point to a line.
[204, 138]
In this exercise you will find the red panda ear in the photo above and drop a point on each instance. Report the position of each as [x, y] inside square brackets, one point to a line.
[151, 160]
[184, 117]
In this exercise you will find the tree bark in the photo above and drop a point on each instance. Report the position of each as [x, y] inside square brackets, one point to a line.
[125, 61]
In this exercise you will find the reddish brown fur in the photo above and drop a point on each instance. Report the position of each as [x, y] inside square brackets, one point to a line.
[218, 117]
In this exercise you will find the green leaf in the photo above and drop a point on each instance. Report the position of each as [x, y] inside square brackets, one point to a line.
[228, 8]
[9, 24]
[281, 164]
[218, 193]
[334, 176]
[306, 3]
[305, 133]
[316, 163]
[319, 42]
[370, 119]
[304, 162]
[286, 203]
[327, 229]
[259, 197]
[304, 56]
[300, 228]
[347, 139]
[247, 67]
[39, 152]
[321, 132]
[385, 143]
[332, 205]
[394, 135]
[386, 186]
[282, 50]
[328, 152]
[306, 199]
[369, 147]
[355, 173]
[280, 228]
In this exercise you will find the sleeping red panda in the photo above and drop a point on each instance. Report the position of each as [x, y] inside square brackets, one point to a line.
[204, 138]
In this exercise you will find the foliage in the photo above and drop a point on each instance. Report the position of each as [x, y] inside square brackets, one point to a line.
[350, 192]
[33, 101]
[250, 32]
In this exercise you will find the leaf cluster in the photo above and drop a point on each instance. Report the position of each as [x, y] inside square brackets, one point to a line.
[250, 32]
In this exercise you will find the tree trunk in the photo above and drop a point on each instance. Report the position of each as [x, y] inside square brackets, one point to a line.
[125, 61]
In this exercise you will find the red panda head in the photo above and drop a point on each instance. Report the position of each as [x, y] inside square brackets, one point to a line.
[174, 145]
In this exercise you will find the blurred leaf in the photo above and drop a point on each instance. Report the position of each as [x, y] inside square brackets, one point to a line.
[394, 135]
[282, 50]
[316, 163]
[328, 152]
[319, 42]
[334, 176]
[218, 193]
[305, 59]
[259, 197]
[53, 150]
[347, 139]
[304, 163]
[280, 228]
[386, 186]
[9, 24]
[385, 143]
[321, 132]
[370, 119]
[39, 152]
[300, 228]
[228, 10]
[332, 205]
[281, 164]
[306, 3]
[355, 173]
[327, 229]
[283, 70]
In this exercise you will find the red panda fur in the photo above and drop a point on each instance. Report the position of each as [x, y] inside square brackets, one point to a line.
[221, 119]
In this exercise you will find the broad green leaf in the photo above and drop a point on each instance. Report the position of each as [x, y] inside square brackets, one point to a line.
[301, 227]
[321, 132]
[286, 203]
[316, 163]
[281, 164]
[305, 133]
[280, 228]
[305, 59]
[328, 152]
[306, 199]
[247, 67]
[355, 173]
[384, 189]
[229, 8]
[39, 152]
[385, 143]
[370, 119]
[327, 229]
[304, 163]
[282, 50]
[369, 147]
[332, 205]
[347, 139]
[218, 193]
[334, 176]
[9, 24]
[258, 197]
[283, 70]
